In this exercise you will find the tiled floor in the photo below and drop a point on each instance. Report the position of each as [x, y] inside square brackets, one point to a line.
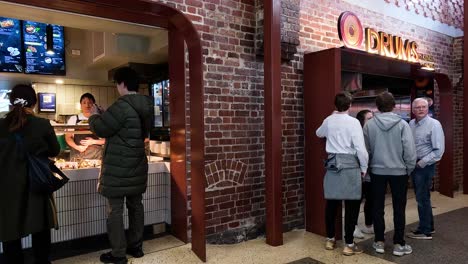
[298, 244]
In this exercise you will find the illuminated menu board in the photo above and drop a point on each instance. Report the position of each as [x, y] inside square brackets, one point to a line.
[11, 57]
[35, 46]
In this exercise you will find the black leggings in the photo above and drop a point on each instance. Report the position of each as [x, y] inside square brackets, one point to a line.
[13, 251]
[369, 203]
[351, 217]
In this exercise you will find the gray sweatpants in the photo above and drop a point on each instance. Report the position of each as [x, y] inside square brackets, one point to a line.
[115, 223]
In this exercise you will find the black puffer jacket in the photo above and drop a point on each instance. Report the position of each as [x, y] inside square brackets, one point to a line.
[125, 166]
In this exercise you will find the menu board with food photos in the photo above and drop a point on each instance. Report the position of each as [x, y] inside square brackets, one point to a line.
[35, 46]
[11, 57]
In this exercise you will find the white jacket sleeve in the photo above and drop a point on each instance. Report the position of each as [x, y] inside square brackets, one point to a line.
[322, 131]
[359, 145]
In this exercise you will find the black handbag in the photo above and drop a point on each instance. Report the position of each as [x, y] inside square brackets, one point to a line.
[44, 176]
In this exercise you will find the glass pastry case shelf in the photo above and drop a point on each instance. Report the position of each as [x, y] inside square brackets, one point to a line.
[72, 129]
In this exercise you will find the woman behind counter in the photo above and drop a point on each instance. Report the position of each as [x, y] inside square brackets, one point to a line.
[22, 212]
[85, 146]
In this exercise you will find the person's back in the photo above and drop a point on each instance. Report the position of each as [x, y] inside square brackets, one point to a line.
[124, 173]
[23, 212]
[346, 149]
[388, 132]
[392, 158]
[124, 166]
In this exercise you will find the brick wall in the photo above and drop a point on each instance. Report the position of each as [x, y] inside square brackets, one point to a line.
[233, 71]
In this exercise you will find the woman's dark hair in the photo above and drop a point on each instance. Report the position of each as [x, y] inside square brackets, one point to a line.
[361, 116]
[385, 102]
[89, 96]
[343, 101]
[128, 76]
[21, 96]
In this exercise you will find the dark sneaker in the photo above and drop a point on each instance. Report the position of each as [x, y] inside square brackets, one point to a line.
[399, 250]
[419, 235]
[108, 258]
[135, 252]
[417, 230]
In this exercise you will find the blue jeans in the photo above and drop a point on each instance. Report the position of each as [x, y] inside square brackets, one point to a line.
[422, 183]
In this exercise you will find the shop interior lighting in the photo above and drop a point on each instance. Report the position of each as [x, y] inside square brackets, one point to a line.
[427, 68]
[59, 81]
[50, 40]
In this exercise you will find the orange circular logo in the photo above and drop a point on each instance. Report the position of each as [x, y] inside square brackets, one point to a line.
[350, 30]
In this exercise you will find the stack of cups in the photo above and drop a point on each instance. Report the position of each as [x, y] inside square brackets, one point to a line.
[164, 148]
[157, 147]
[152, 146]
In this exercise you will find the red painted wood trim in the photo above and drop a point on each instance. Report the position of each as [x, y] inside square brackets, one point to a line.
[465, 105]
[446, 120]
[178, 141]
[273, 128]
[160, 15]
[322, 80]
[197, 122]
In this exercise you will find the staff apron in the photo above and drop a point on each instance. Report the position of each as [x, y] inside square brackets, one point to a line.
[92, 152]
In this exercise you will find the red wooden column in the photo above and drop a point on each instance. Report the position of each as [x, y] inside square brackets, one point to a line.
[446, 119]
[322, 80]
[465, 106]
[178, 136]
[273, 129]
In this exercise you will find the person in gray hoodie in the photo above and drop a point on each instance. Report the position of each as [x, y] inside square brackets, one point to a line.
[392, 157]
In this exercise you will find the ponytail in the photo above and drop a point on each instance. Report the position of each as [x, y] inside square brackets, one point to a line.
[16, 118]
[22, 98]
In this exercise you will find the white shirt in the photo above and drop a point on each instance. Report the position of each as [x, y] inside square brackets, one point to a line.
[72, 119]
[344, 135]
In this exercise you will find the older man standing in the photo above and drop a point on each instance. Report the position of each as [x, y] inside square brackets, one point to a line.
[430, 145]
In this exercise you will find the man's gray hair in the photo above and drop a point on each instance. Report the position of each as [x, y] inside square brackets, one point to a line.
[420, 99]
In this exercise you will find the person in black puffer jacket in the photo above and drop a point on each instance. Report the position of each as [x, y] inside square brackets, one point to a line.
[124, 172]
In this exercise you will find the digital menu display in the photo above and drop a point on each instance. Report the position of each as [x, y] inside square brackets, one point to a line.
[11, 57]
[46, 102]
[35, 46]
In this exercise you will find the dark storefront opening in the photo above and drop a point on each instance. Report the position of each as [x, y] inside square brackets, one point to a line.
[364, 75]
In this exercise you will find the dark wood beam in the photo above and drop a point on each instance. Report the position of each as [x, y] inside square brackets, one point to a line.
[177, 100]
[273, 128]
[465, 105]
[446, 119]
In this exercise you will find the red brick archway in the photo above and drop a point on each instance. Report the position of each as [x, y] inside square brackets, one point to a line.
[181, 31]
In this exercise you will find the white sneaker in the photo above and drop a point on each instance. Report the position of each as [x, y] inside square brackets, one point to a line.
[399, 250]
[367, 230]
[357, 233]
[379, 247]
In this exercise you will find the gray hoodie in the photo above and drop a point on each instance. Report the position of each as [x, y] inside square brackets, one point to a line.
[390, 144]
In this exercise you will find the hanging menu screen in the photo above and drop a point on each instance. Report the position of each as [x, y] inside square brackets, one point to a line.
[35, 46]
[11, 57]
